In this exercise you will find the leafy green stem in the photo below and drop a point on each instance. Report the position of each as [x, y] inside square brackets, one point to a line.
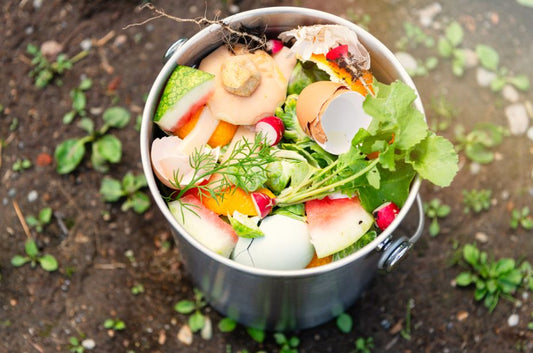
[312, 192]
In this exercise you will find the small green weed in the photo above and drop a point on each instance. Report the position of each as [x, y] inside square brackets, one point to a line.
[105, 147]
[476, 200]
[44, 71]
[21, 164]
[490, 60]
[406, 330]
[43, 218]
[137, 289]
[493, 279]
[414, 36]
[193, 308]
[449, 47]
[445, 113]
[256, 334]
[114, 324]
[75, 345]
[364, 345]
[34, 257]
[287, 345]
[434, 210]
[79, 101]
[478, 143]
[227, 325]
[521, 218]
[344, 322]
[113, 190]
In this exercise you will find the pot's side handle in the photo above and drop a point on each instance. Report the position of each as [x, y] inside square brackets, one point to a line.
[173, 47]
[395, 250]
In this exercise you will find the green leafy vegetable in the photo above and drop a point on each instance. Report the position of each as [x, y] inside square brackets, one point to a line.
[304, 74]
[244, 226]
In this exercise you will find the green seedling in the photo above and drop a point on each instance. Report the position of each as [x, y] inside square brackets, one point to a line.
[287, 345]
[75, 345]
[476, 200]
[256, 334]
[423, 67]
[44, 71]
[105, 147]
[43, 218]
[14, 124]
[227, 325]
[490, 60]
[79, 101]
[344, 322]
[449, 47]
[138, 288]
[406, 330]
[479, 143]
[444, 111]
[521, 218]
[434, 210]
[113, 190]
[114, 324]
[138, 122]
[493, 279]
[193, 308]
[414, 37]
[21, 164]
[33, 256]
[364, 345]
[360, 19]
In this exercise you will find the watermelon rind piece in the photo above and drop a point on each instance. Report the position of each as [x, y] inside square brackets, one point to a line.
[335, 224]
[186, 90]
[204, 225]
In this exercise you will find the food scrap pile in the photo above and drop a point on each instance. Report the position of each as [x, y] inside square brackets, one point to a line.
[293, 156]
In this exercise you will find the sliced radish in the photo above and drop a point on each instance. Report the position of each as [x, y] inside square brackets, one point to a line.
[263, 203]
[385, 214]
[272, 128]
[337, 52]
[273, 46]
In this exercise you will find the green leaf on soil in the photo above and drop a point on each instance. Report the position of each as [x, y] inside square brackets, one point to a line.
[109, 147]
[19, 260]
[196, 321]
[256, 334]
[185, 307]
[69, 154]
[344, 323]
[111, 189]
[116, 117]
[227, 325]
[48, 263]
[488, 57]
[31, 248]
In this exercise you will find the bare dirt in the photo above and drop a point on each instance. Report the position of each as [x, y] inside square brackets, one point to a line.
[103, 252]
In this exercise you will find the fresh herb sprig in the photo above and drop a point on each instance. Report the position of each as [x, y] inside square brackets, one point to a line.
[244, 167]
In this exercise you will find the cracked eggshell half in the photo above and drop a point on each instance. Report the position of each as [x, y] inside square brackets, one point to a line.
[331, 114]
[285, 246]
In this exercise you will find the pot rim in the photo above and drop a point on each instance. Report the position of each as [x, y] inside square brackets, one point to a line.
[146, 140]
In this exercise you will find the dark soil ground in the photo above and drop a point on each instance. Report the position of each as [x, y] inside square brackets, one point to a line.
[104, 252]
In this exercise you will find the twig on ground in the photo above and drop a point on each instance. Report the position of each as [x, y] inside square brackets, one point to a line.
[21, 219]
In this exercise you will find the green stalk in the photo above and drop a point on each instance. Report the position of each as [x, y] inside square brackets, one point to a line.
[324, 190]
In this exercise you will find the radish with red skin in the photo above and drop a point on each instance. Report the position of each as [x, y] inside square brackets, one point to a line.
[274, 45]
[385, 214]
[272, 128]
[263, 203]
[337, 52]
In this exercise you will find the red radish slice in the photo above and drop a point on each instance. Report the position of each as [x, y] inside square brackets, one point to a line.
[272, 128]
[337, 52]
[273, 46]
[385, 214]
[263, 203]
[204, 225]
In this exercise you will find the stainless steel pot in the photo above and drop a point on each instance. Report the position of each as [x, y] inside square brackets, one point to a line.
[280, 300]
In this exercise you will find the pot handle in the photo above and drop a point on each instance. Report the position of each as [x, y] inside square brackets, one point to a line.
[173, 47]
[395, 250]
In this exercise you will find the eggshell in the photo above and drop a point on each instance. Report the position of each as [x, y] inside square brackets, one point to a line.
[285, 246]
[331, 114]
